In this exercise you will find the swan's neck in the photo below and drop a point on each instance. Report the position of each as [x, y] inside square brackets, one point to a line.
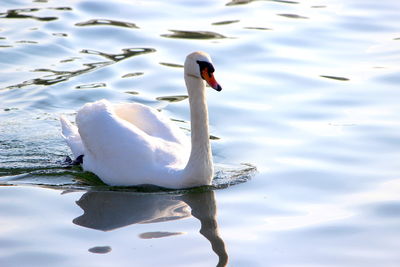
[199, 169]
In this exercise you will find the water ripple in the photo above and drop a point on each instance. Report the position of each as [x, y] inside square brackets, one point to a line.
[172, 65]
[107, 22]
[126, 53]
[17, 13]
[225, 22]
[292, 16]
[335, 78]
[57, 76]
[243, 2]
[193, 35]
[172, 99]
[91, 85]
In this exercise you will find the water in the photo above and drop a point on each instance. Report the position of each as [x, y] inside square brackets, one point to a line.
[310, 97]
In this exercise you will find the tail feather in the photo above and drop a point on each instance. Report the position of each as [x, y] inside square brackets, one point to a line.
[72, 137]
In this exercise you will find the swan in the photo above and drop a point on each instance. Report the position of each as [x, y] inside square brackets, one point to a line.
[132, 144]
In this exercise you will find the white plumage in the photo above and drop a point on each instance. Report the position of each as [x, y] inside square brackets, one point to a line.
[133, 144]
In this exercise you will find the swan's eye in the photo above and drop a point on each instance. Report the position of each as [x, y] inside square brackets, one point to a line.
[206, 69]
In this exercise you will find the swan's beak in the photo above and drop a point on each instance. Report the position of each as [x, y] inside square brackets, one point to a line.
[209, 78]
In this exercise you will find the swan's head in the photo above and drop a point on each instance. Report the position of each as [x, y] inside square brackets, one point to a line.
[199, 65]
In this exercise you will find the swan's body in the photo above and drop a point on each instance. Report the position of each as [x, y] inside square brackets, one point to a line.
[133, 144]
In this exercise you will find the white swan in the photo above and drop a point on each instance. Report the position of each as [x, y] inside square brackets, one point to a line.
[133, 144]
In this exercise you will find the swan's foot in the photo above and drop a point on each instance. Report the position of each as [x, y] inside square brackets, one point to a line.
[77, 161]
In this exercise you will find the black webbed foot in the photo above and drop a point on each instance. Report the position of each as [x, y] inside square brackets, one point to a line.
[68, 162]
[78, 160]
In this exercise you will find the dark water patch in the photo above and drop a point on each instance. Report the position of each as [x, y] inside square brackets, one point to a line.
[69, 59]
[17, 13]
[181, 121]
[90, 86]
[238, 2]
[151, 235]
[284, 1]
[214, 138]
[132, 74]
[8, 110]
[132, 92]
[225, 22]
[60, 34]
[337, 78]
[172, 99]
[292, 16]
[199, 35]
[60, 8]
[126, 53]
[172, 65]
[107, 22]
[243, 2]
[258, 28]
[26, 42]
[57, 76]
[100, 250]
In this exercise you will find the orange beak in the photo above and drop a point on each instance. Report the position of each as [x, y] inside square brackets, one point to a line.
[209, 78]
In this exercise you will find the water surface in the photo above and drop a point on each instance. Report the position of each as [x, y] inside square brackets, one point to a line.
[310, 98]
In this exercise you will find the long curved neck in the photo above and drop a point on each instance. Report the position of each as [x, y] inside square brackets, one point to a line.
[199, 169]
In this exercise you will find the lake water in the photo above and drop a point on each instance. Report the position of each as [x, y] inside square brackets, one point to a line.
[310, 97]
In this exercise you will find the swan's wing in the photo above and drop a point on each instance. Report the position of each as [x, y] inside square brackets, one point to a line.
[151, 121]
[104, 133]
[116, 150]
[72, 137]
[112, 145]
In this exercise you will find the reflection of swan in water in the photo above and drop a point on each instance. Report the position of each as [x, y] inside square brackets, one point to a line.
[105, 210]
